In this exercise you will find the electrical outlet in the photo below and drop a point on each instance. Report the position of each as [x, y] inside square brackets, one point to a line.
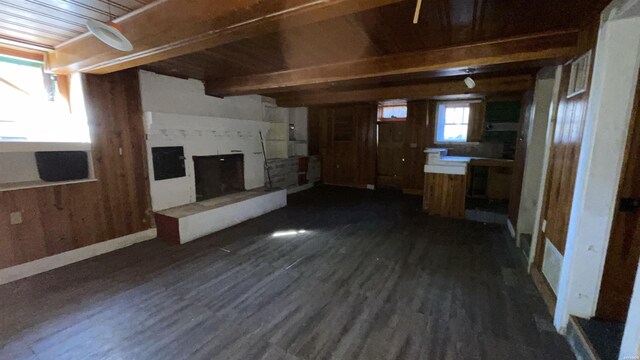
[16, 217]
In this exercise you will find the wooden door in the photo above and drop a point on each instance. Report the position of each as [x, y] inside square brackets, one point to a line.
[568, 126]
[624, 244]
[415, 140]
[346, 142]
[521, 154]
[390, 154]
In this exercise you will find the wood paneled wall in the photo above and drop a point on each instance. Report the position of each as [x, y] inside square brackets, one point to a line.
[66, 217]
[416, 139]
[358, 155]
[346, 143]
[568, 127]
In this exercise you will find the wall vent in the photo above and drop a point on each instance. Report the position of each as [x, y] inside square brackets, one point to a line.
[551, 265]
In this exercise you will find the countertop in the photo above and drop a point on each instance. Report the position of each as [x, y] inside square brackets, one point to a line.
[438, 161]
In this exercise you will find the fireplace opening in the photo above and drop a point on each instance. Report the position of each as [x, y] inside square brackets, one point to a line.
[218, 175]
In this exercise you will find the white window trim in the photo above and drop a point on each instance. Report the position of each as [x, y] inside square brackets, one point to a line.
[453, 103]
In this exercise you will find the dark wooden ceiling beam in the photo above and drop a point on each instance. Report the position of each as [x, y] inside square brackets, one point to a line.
[170, 28]
[534, 47]
[484, 86]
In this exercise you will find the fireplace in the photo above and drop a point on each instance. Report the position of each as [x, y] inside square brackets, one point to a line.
[218, 175]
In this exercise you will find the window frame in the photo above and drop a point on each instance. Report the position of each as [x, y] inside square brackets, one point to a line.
[393, 103]
[59, 91]
[453, 103]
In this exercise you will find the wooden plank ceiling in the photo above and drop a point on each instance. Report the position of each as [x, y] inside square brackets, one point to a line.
[382, 32]
[43, 24]
[293, 48]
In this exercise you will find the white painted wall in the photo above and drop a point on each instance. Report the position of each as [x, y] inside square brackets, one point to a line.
[178, 113]
[616, 65]
[536, 142]
[166, 94]
[201, 136]
[299, 118]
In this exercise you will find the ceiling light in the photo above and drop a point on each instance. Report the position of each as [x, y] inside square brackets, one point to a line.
[469, 82]
[110, 34]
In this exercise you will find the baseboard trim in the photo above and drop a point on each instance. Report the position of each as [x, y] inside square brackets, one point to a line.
[417, 192]
[31, 268]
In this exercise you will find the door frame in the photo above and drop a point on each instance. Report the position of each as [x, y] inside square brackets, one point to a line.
[633, 133]
[600, 162]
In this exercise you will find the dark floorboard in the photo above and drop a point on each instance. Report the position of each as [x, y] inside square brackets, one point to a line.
[371, 278]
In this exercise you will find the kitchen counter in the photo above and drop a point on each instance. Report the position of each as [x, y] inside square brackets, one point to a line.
[449, 178]
[438, 162]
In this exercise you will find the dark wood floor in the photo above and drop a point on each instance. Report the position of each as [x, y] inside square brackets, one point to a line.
[371, 278]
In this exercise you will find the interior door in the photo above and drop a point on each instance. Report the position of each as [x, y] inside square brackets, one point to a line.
[521, 154]
[624, 244]
[568, 119]
[344, 146]
[390, 154]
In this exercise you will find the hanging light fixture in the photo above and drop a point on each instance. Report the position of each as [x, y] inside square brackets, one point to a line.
[109, 33]
[469, 80]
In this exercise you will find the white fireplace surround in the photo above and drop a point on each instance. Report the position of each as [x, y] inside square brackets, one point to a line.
[201, 136]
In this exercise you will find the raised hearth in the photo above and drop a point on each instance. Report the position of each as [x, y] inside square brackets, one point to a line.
[188, 222]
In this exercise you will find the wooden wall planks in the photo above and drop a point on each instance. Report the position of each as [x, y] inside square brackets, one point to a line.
[391, 159]
[419, 133]
[563, 163]
[568, 126]
[66, 217]
[347, 143]
[415, 141]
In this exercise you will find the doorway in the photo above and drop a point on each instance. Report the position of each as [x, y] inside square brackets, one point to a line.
[565, 141]
[605, 331]
[390, 167]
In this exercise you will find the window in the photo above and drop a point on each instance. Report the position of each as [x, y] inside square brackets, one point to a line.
[452, 122]
[579, 75]
[32, 108]
[395, 110]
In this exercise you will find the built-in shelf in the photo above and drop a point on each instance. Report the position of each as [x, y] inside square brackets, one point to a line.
[24, 146]
[39, 183]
